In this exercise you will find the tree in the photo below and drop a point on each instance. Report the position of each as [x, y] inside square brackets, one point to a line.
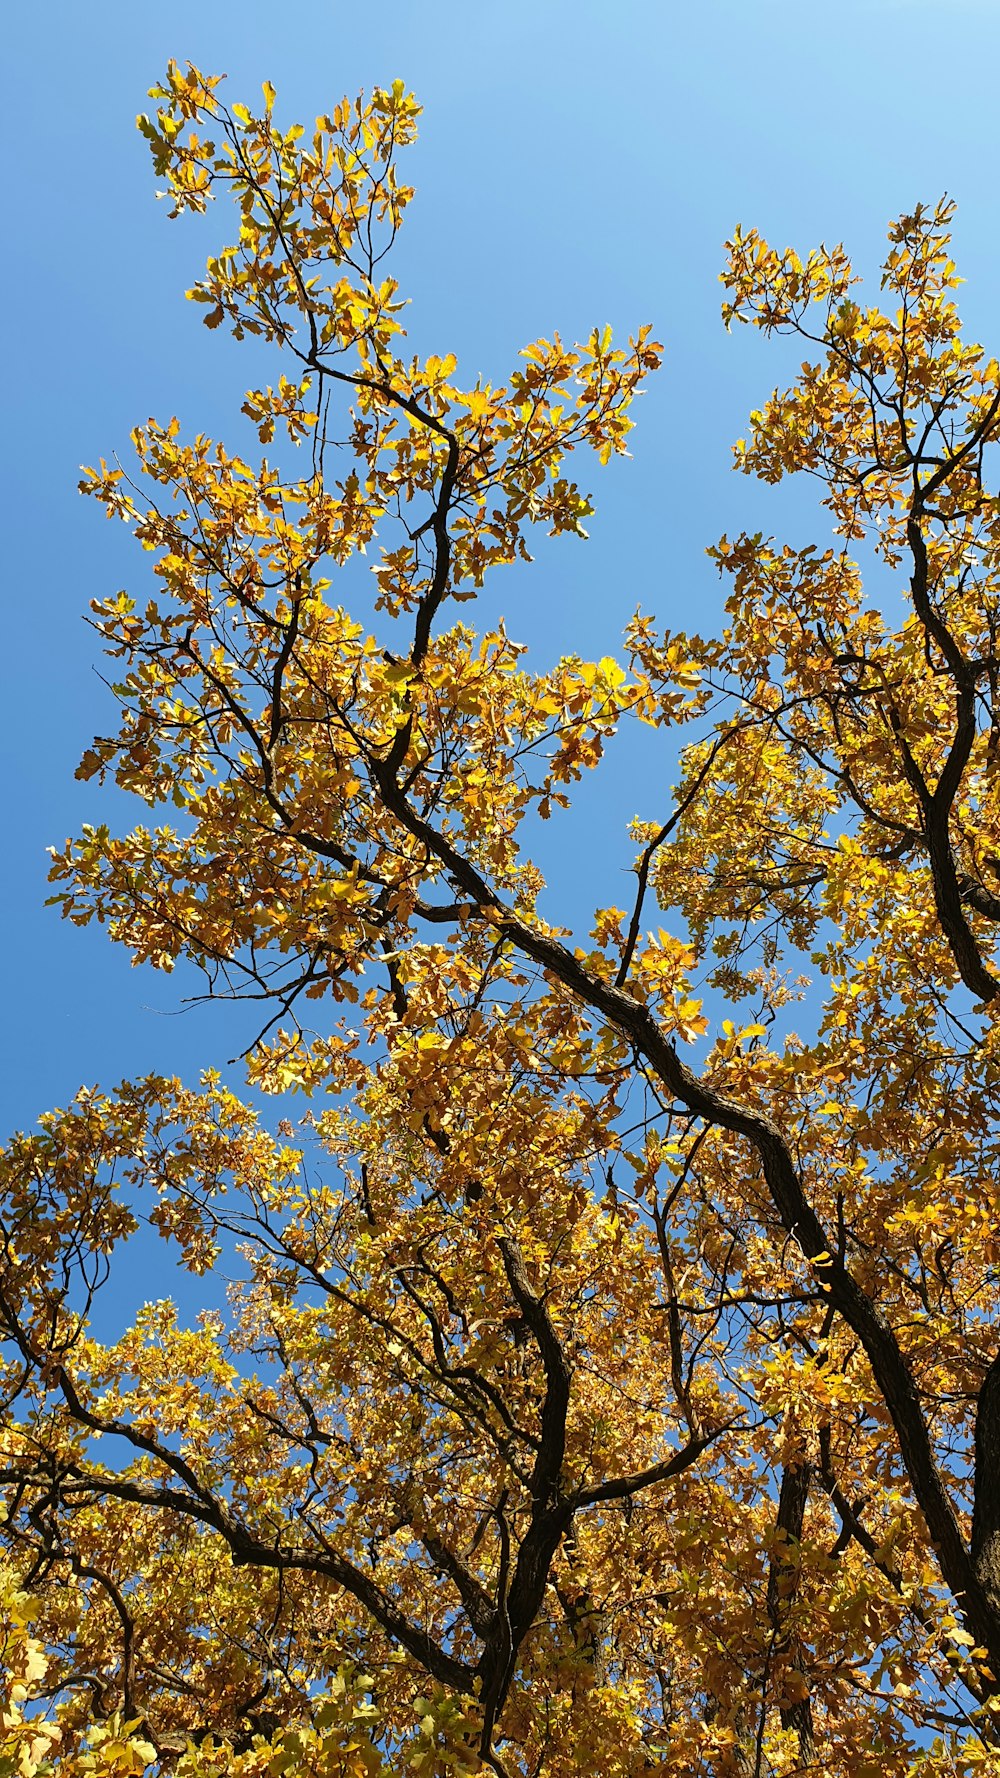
[610, 1384]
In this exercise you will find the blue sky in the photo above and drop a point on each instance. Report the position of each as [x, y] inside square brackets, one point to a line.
[579, 163]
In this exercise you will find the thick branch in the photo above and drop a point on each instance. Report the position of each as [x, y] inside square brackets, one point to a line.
[798, 1218]
[782, 1584]
[623, 1487]
[986, 1510]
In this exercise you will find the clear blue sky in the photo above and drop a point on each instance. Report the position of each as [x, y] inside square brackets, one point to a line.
[579, 163]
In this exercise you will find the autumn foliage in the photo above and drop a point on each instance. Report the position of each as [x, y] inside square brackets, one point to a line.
[610, 1380]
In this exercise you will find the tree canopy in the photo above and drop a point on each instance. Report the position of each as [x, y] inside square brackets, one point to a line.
[602, 1374]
